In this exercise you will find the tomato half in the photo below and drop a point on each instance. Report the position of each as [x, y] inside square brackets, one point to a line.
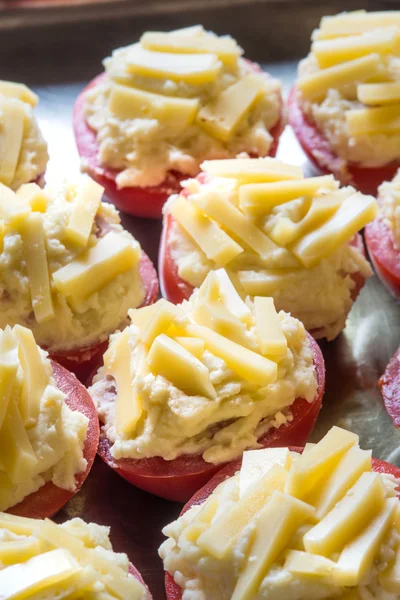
[83, 361]
[384, 256]
[172, 589]
[178, 479]
[144, 202]
[49, 499]
[320, 153]
[389, 384]
[137, 575]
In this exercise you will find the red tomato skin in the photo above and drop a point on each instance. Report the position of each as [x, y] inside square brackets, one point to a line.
[316, 147]
[179, 479]
[83, 361]
[383, 254]
[137, 575]
[389, 384]
[49, 499]
[146, 202]
[172, 589]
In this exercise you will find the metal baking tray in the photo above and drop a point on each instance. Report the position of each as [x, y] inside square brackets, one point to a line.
[57, 53]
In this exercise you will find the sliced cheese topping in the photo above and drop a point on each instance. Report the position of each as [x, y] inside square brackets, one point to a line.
[41, 439]
[76, 559]
[193, 363]
[267, 528]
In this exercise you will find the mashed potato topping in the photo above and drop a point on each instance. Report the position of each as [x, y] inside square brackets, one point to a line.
[389, 199]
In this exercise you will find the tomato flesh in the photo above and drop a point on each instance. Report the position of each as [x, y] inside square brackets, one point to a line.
[144, 202]
[384, 256]
[83, 361]
[321, 155]
[49, 499]
[179, 479]
[172, 589]
[389, 384]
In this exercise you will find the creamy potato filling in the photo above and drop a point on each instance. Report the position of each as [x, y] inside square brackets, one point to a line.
[389, 201]
[41, 439]
[277, 235]
[349, 85]
[68, 270]
[320, 525]
[209, 377]
[174, 99]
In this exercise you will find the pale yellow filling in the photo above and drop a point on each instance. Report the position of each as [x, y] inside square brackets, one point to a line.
[389, 200]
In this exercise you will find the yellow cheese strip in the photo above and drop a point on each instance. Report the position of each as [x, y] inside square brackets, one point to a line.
[247, 364]
[256, 463]
[332, 52]
[162, 318]
[360, 505]
[18, 550]
[203, 519]
[192, 345]
[296, 542]
[222, 533]
[33, 195]
[357, 22]
[315, 86]
[309, 469]
[252, 170]
[358, 556]
[13, 209]
[276, 523]
[379, 93]
[224, 47]
[131, 103]
[258, 198]
[189, 68]
[85, 207]
[229, 296]
[12, 119]
[306, 564]
[213, 241]
[128, 404]
[270, 334]
[374, 121]
[9, 364]
[215, 315]
[222, 116]
[112, 255]
[222, 210]
[35, 376]
[353, 214]
[264, 283]
[142, 317]
[191, 31]
[172, 361]
[18, 525]
[19, 91]
[34, 247]
[337, 484]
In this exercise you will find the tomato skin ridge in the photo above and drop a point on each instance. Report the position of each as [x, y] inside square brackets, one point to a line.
[383, 254]
[389, 385]
[179, 479]
[49, 499]
[320, 154]
[172, 589]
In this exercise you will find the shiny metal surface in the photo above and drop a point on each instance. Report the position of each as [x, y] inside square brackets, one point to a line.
[354, 361]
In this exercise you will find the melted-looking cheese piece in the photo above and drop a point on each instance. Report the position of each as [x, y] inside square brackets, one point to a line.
[76, 559]
[273, 541]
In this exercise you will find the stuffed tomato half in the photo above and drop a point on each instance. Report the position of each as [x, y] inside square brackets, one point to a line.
[211, 378]
[165, 104]
[319, 520]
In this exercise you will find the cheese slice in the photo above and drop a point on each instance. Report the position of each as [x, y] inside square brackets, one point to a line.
[12, 119]
[357, 22]
[276, 523]
[19, 91]
[256, 463]
[263, 283]
[222, 117]
[112, 255]
[214, 205]
[203, 519]
[9, 364]
[216, 316]
[252, 170]
[229, 295]
[223, 532]
[224, 47]
[19, 550]
[348, 518]
[162, 318]
[316, 85]
[353, 214]
[35, 255]
[191, 31]
[374, 121]
[172, 361]
[128, 404]
[331, 52]
[143, 316]
[270, 334]
[196, 69]
[192, 345]
[258, 198]
[13, 209]
[310, 566]
[131, 103]
[379, 93]
[34, 196]
[18, 525]
[85, 207]
[212, 240]
[35, 377]
[247, 364]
